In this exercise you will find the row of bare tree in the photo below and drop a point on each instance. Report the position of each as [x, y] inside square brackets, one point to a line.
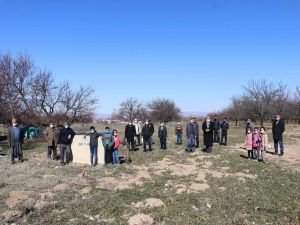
[261, 101]
[31, 94]
[159, 109]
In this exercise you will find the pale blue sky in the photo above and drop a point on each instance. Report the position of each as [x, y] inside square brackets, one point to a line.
[198, 53]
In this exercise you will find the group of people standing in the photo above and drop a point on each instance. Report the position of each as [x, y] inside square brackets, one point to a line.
[211, 133]
[257, 143]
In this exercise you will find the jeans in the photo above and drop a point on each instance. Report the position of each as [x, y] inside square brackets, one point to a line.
[94, 155]
[147, 140]
[65, 151]
[261, 155]
[191, 143]
[280, 142]
[179, 138]
[115, 154]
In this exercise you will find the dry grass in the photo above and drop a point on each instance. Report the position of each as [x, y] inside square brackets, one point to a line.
[159, 187]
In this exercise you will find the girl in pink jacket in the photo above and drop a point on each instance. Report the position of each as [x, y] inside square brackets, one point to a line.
[116, 145]
[248, 143]
[263, 144]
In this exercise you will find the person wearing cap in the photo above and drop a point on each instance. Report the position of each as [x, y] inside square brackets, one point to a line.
[278, 127]
[137, 132]
[65, 139]
[15, 139]
[178, 132]
[52, 138]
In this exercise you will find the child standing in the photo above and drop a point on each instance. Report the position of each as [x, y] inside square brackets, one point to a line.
[116, 145]
[255, 143]
[263, 144]
[248, 143]
[93, 145]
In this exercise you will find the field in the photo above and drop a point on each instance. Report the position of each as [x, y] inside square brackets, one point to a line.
[158, 187]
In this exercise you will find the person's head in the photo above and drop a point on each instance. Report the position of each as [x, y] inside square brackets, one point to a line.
[14, 121]
[208, 119]
[277, 117]
[115, 132]
[66, 125]
[135, 120]
[248, 130]
[92, 129]
[161, 123]
[225, 119]
[255, 130]
[192, 120]
[106, 129]
[51, 125]
[262, 130]
[248, 121]
[146, 121]
[129, 122]
[215, 116]
[178, 123]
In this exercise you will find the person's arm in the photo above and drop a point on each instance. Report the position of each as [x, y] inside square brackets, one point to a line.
[166, 132]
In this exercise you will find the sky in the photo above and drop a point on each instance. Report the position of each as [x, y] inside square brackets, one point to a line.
[197, 53]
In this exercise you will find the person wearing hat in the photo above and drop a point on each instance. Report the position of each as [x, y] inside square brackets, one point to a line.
[65, 139]
[52, 138]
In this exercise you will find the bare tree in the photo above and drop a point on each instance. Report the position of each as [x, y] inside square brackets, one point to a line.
[163, 109]
[130, 109]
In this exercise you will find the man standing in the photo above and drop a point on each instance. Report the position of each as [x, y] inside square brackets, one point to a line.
[147, 132]
[65, 139]
[278, 128]
[51, 137]
[216, 127]
[191, 134]
[108, 142]
[15, 140]
[207, 128]
[137, 131]
[130, 134]
[178, 132]
[224, 129]
[196, 127]
[162, 135]
[152, 129]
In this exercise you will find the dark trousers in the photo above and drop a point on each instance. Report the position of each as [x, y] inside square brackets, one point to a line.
[108, 155]
[224, 136]
[208, 148]
[94, 155]
[131, 144]
[163, 142]
[216, 136]
[52, 152]
[280, 142]
[197, 142]
[17, 152]
[147, 140]
[138, 137]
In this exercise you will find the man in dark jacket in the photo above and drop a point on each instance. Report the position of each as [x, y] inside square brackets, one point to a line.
[217, 126]
[224, 129]
[15, 140]
[130, 134]
[147, 132]
[207, 128]
[162, 135]
[191, 134]
[65, 139]
[278, 128]
[93, 145]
